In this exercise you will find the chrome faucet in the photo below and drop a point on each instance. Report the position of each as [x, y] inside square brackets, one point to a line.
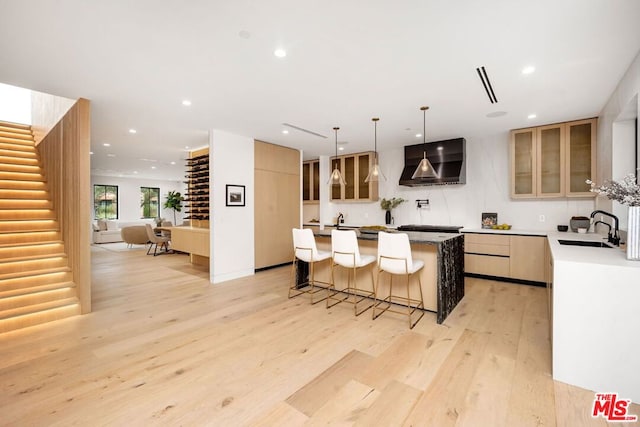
[338, 220]
[612, 237]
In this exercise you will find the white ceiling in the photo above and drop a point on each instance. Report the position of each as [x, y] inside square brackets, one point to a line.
[346, 62]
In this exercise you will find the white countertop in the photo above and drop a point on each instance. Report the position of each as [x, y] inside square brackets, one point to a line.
[513, 231]
[614, 256]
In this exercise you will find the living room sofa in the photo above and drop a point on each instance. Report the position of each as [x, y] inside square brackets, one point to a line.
[110, 231]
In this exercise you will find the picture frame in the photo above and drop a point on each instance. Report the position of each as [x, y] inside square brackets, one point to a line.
[489, 219]
[235, 195]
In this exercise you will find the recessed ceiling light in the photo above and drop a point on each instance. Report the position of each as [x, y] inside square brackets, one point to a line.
[341, 148]
[186, 147]
[418, 135]
[153, 167]
[280, 53]
[111, 155]
[173, 163]
[494, 114]
[186, 103]
[440, 148]
[285, 131]
[91, 152]
[531, 116]
[133, 131]
[528, 69]
[106, 144]
[135, 171]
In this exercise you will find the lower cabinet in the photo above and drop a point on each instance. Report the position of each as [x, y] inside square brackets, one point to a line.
[509, 256]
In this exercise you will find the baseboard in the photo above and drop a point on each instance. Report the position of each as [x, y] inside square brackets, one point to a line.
[507, 279]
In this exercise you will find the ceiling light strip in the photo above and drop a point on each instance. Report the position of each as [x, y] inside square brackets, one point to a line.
[482, 73]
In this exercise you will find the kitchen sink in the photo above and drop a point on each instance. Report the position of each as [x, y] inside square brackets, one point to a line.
[584, 243]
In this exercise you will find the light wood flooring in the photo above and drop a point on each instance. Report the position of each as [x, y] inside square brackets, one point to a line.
[165, 347]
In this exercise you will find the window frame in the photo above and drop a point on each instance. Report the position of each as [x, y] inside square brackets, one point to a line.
[108, 188]
[148, 203]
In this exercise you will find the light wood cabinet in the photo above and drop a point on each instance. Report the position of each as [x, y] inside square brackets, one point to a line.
[276, 201]
[311, 181]
[553, 161]
[527, 258]
[509, 256]
[354, 169]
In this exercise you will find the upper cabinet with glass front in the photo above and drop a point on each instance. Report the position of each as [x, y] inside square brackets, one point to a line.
[311, 181]
[354, 169]
[553, 160]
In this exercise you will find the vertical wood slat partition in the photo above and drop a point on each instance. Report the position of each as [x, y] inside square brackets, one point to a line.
[64, 153]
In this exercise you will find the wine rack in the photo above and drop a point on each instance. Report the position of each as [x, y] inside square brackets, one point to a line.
[197, 195]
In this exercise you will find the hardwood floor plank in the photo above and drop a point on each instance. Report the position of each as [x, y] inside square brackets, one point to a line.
[443, 403]
[390, 408]
[283, 415]
[314, 394]
[345, 406]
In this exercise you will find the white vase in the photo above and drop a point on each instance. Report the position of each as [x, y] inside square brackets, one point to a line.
[633, 234]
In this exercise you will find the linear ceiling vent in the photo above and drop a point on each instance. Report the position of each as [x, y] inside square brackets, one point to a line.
[487, 85]
[310, 132]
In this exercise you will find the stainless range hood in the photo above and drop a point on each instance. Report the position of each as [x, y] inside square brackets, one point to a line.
[447, 157]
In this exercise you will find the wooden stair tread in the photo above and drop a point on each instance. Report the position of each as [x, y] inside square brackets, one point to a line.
[26, 244]
[17, 184]
[18, 160]
[33, 273]
[44, 316]
[10, 152]
[32, 230]
[23, 148]
[16, 135]
[36, 289]
[35, 308]
[14, 125]
[21, 176]
[33, 257]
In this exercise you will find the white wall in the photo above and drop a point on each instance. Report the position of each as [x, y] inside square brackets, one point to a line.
[487, 190]
[232, 234]
[129, 195]
[614, 137]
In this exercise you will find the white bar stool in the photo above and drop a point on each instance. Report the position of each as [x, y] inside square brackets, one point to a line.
[346, 253]
[304, 249]
[394, 257]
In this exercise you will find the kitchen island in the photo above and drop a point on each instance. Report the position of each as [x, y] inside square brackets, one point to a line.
[593, 297]
[442, 277]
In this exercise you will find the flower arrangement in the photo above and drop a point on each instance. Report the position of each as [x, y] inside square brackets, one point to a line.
[626, 191]
[389, 204]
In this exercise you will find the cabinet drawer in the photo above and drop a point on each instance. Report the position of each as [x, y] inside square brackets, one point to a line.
[481, 248]
[486, 264]
[486, 239]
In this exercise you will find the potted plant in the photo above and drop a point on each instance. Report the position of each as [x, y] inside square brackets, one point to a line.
[388, 205]
[174, 201]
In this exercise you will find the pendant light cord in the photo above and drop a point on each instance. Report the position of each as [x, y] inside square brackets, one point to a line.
[336, 131]
[375, 138]
[424, 130]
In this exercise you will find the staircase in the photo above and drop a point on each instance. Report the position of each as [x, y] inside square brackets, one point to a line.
[36, 284]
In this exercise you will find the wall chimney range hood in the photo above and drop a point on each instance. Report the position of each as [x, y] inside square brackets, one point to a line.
[447, 157]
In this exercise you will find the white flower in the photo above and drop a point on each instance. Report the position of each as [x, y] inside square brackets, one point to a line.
[626, 191]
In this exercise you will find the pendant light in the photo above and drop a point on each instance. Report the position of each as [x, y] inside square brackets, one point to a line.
[425, 168]
[336, 177]
[375, 174]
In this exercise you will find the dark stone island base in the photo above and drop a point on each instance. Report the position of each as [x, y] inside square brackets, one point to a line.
[442, 277]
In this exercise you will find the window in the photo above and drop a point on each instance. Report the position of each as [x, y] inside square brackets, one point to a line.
[105, 201]
[149, 202]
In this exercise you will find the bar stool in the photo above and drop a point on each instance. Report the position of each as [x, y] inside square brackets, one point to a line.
[394, 258]
[304, 249]
[345, 253]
